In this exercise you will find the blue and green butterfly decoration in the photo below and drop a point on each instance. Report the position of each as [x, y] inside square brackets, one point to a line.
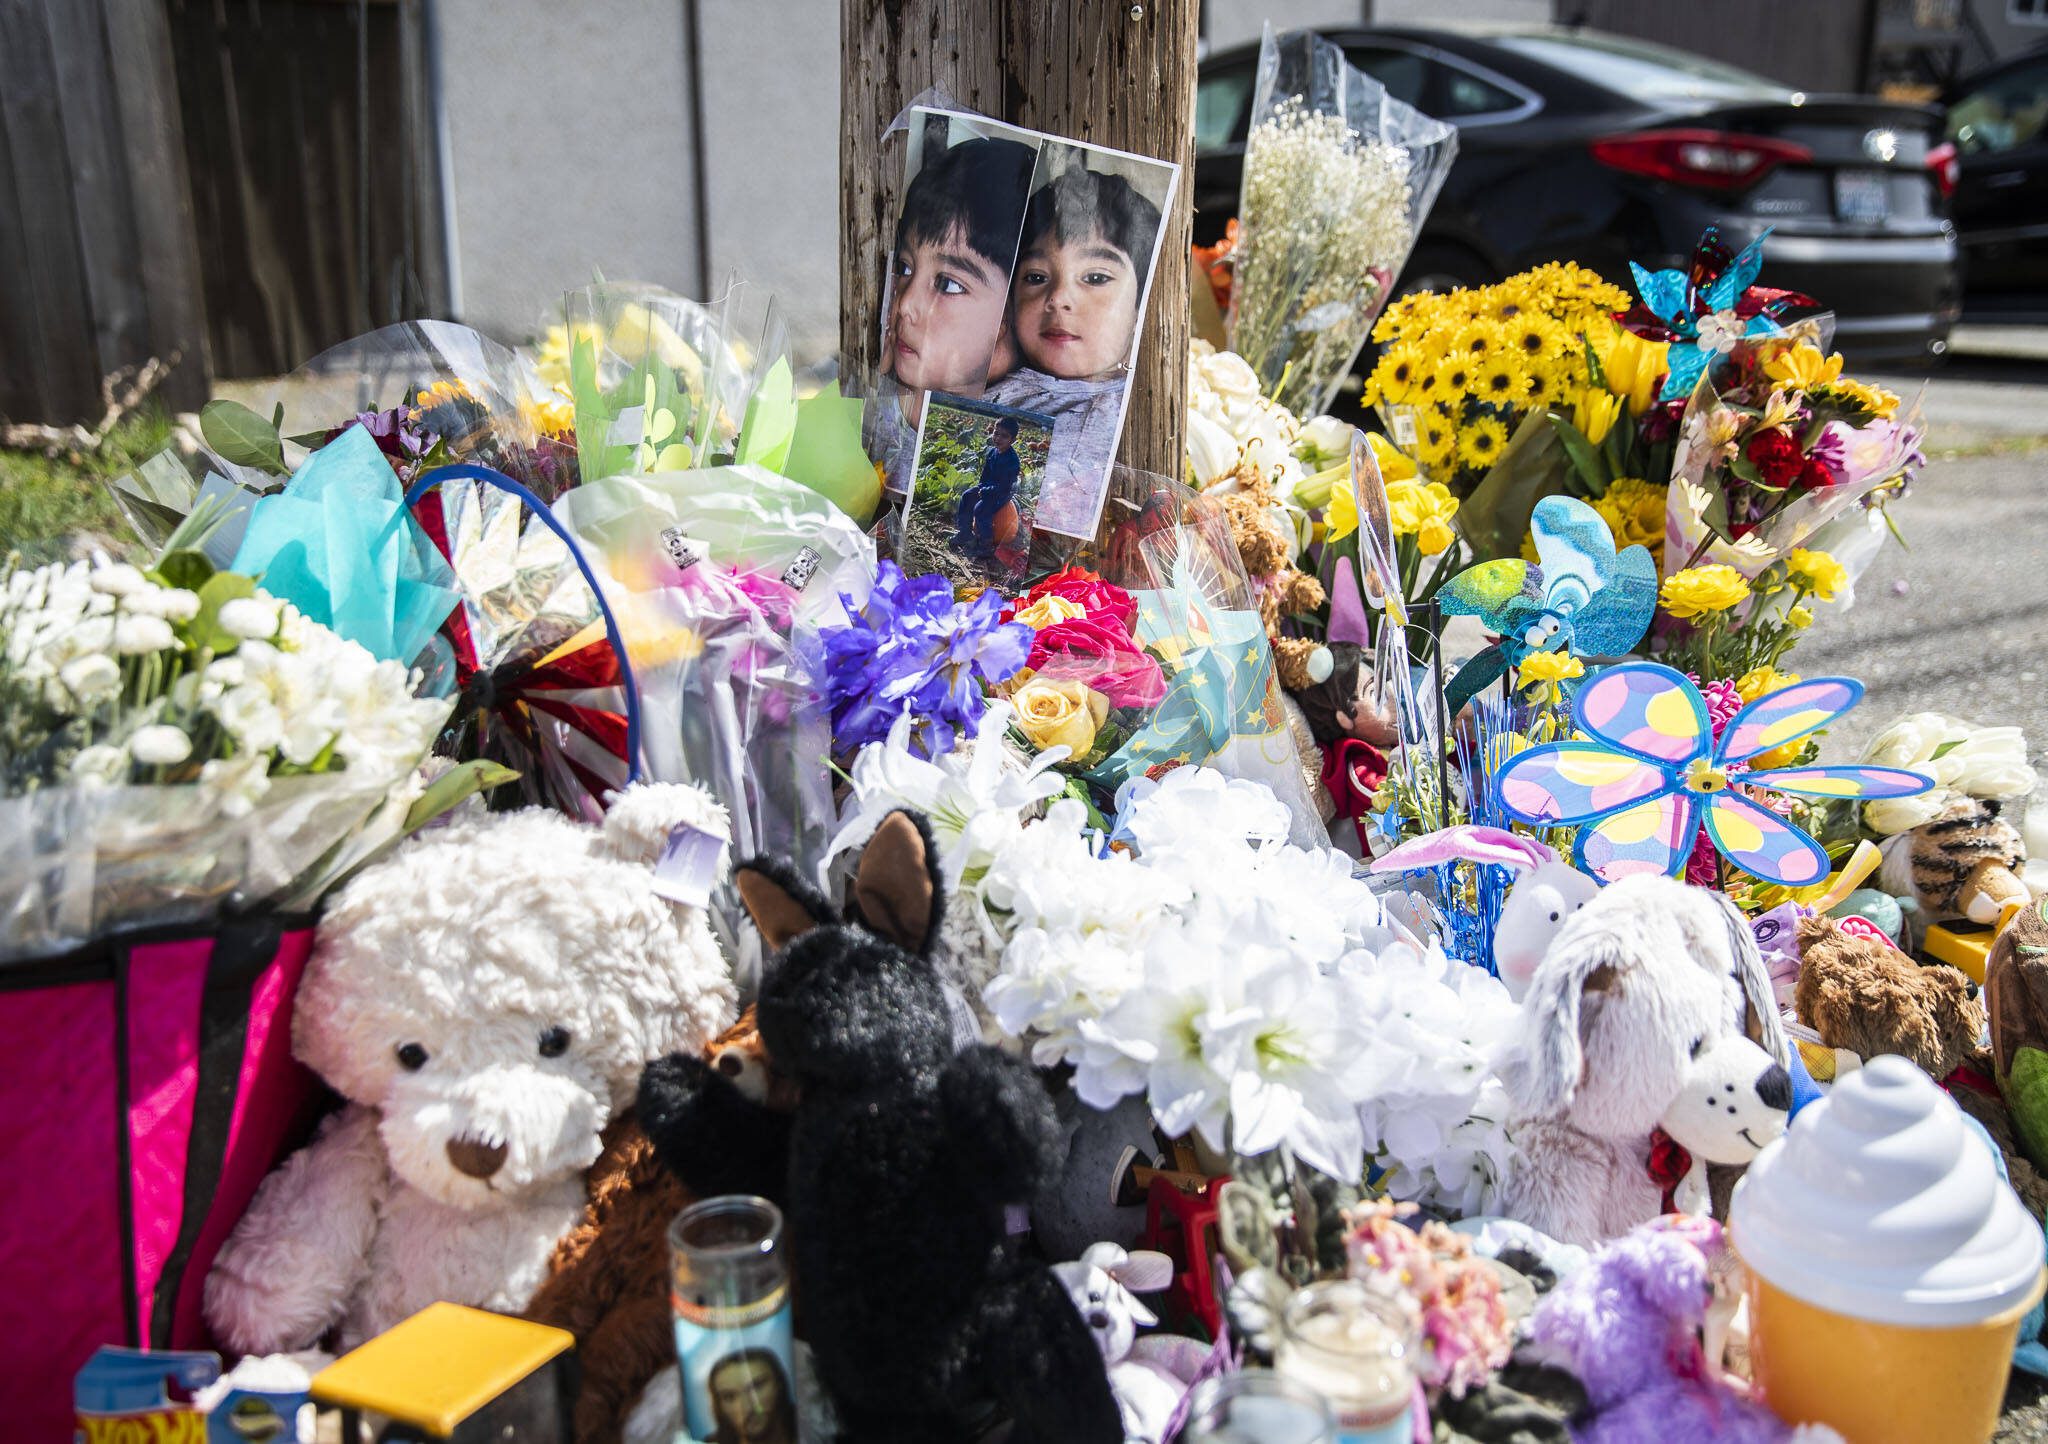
[1580, 596]
[1720, 282]
[1647, 775]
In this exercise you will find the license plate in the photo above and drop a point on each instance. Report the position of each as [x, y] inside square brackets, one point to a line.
[1863, 197]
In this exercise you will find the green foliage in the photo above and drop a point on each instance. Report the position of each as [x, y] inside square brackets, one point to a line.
[51, 508]
[240, 435]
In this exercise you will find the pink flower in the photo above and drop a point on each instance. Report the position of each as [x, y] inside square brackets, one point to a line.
[1090, 592]
[1099, 651]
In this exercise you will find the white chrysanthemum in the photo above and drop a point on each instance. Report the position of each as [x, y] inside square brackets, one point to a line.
[250, 618]
[118, 579]
[99, 766]
[92, 679]
[138, 634]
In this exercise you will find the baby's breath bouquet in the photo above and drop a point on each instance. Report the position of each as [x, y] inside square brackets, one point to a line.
[174, 739]
[1338, 176]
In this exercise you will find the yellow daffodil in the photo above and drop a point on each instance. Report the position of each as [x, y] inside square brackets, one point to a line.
[1802, 367]
[1595, 413]
[1340, 513]
[1759, 680]
[1423, 511]
[1703, 591]
[1819, 572]
[1634, 368]
[1540, 672]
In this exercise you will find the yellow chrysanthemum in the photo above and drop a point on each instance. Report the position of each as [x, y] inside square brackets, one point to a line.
[1454, 378]
[1497, 380]
[1802, 367]
[1820, 573]
[1634, 511]
[550, 416]
[1481, 442]
[1551, 667]
[1703, 591]
[1478, 339]
[1874, 399]
[1759, 680]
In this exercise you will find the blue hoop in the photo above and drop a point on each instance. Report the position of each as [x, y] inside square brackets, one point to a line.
[540, 510]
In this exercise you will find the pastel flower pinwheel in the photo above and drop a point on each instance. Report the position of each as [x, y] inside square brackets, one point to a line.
[1647, 774]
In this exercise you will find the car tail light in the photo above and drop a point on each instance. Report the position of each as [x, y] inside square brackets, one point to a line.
[1715, 160]
[1942, 161]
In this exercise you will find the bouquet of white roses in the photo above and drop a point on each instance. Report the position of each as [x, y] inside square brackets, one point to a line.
[173, 740]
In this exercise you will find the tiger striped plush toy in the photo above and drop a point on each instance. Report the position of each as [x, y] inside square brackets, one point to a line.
[1963, 863]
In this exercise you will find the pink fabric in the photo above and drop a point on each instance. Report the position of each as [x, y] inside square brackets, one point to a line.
[165, 984]
[271, 1112]
[60, 1216]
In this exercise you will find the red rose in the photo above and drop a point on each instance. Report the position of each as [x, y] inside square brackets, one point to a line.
[1099, 651]
[1776, 457]
[1088, 591]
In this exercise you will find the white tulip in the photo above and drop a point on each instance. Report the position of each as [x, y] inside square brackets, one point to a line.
[160, 745]
[136, 635]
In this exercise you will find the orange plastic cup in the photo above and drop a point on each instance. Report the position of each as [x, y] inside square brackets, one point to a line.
[1880, 1383]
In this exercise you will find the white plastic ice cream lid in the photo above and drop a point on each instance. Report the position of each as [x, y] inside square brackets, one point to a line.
[1879, 1204]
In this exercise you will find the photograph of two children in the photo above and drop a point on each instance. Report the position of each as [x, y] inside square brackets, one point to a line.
[1022, 266]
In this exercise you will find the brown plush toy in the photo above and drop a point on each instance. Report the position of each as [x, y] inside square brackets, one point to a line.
[1961, 864]
[1869, 998]
[608, 1280]
[2016, 995]
[1283, 591]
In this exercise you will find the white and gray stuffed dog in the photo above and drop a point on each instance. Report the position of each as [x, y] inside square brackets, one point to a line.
[1640, 986]
[1149, 1381]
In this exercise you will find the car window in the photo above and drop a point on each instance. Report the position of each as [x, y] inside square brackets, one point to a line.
[1461, 93]
[2007, 112]
[1402, 72]
[1638, 68]
[1221, 101]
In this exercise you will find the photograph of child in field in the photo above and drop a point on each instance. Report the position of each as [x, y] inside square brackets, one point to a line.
[1061, 338]
[976, 485]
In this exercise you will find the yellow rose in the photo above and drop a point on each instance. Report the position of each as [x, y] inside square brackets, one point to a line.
[1822, 574]
[1703, 591]
[1759, 680]
[1049, 610]
[1060, 714]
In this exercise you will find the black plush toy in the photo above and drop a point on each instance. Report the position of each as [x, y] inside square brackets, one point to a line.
[895, 1168]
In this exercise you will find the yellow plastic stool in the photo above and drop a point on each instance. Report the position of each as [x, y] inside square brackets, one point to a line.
[448, 1366]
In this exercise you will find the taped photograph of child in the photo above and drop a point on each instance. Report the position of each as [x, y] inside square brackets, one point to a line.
[945, 301]
[977, 480]
[1084, 271]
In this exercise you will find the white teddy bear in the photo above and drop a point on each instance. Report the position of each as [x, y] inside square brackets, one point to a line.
[484, 998]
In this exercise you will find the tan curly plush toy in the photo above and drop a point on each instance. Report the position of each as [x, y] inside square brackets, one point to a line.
[1283, 591]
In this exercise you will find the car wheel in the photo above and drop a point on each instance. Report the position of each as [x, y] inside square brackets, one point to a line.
[1442, 267]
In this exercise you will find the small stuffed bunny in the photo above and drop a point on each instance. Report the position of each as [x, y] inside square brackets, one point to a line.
[1548, 891]
[895, 1167]
[1148, 1381]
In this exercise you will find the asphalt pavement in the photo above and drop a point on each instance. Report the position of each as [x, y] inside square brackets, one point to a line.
[1956, 620]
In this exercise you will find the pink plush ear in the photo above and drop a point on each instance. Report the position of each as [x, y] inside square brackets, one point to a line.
[1473, 844]
[1144, 1272]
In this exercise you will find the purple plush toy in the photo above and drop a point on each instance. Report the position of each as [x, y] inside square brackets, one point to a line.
[1627, 1325]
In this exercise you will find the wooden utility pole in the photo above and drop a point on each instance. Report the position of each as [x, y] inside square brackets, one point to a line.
[1118, 74]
